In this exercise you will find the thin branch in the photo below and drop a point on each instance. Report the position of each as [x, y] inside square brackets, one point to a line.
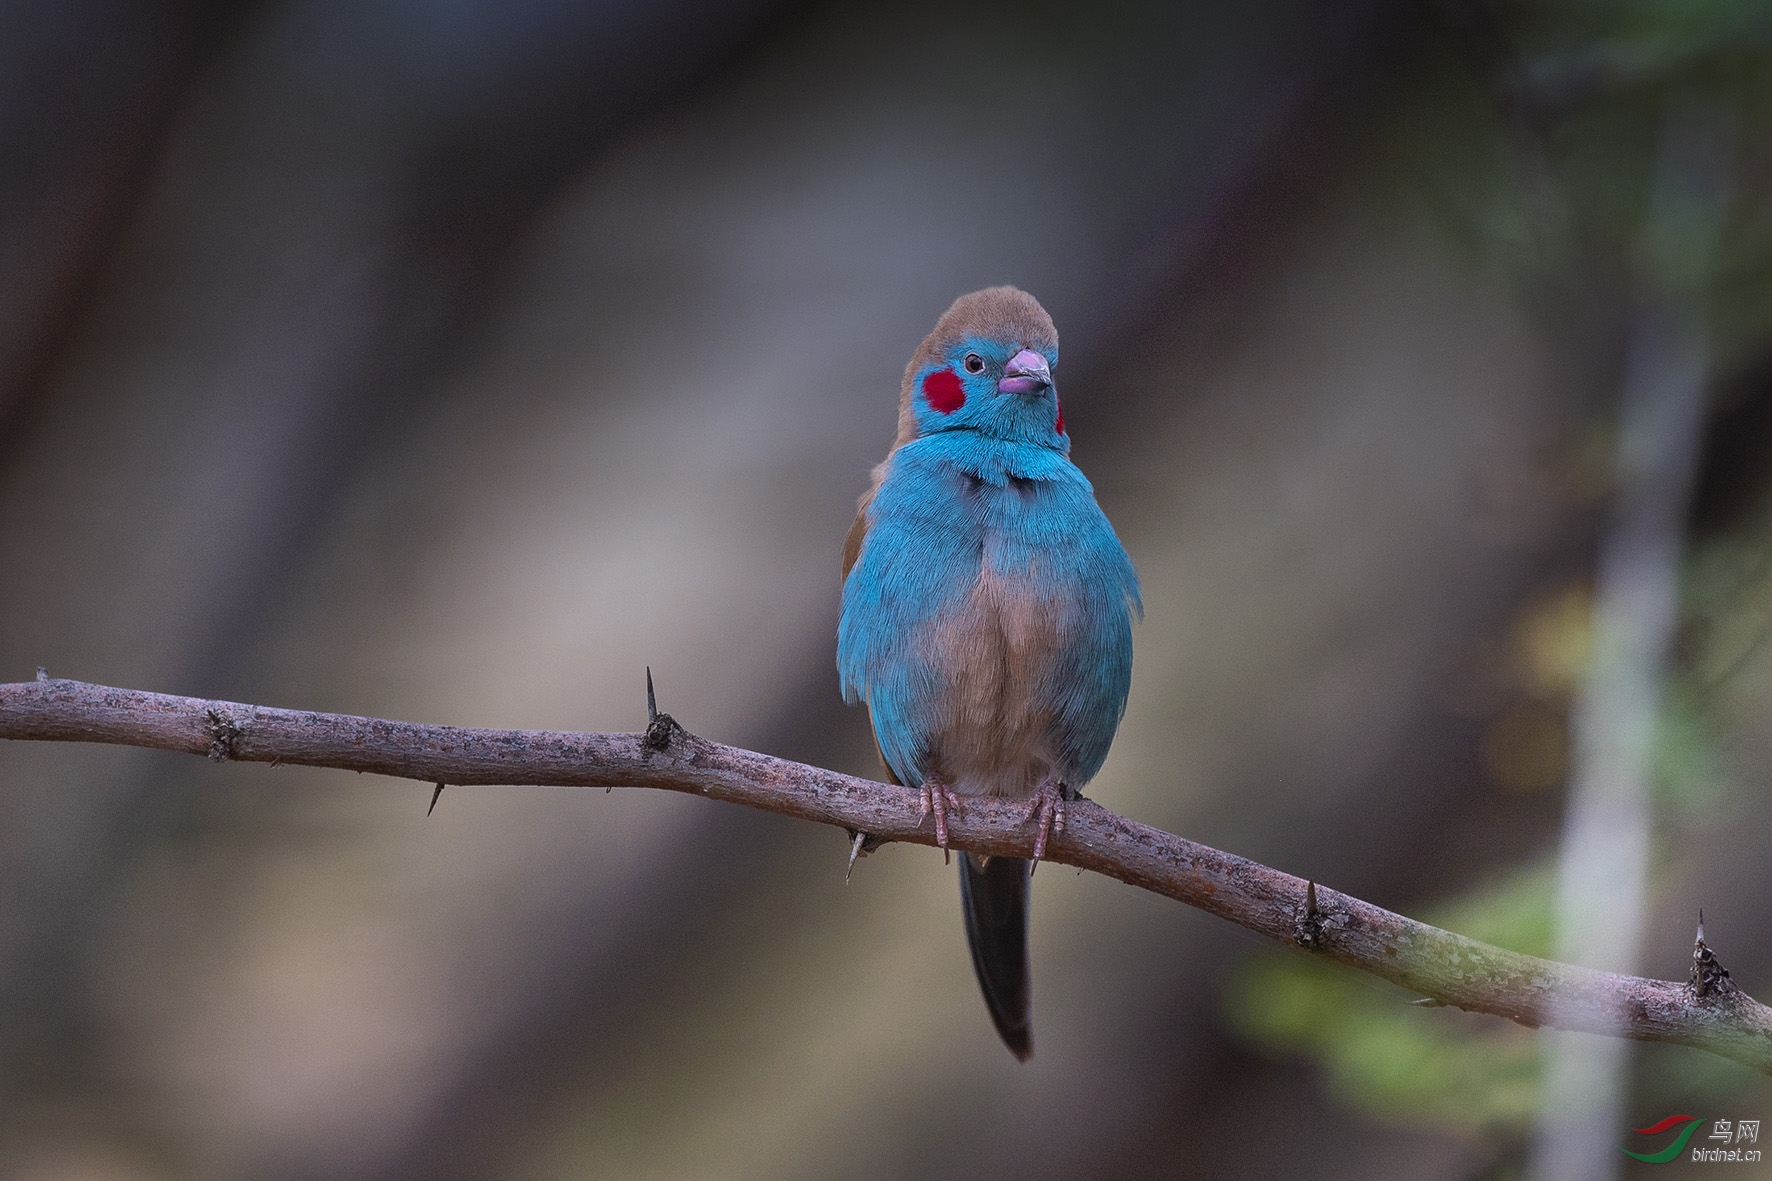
[1709, 1012]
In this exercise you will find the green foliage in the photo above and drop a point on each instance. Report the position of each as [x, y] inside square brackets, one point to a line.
[1560, 150]
[1691, 777]
[1399, 1061]
[1726, 619]
[1538, 146]
[1473, 1076]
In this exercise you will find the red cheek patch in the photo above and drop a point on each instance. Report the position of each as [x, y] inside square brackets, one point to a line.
[1059, 425]
[942, 391]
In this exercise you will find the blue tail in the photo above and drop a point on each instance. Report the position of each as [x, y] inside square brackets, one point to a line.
[994, 898]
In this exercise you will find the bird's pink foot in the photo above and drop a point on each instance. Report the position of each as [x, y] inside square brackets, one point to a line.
[937, 798]
[1048, 805]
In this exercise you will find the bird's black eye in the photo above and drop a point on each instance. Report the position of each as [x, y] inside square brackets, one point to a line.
[974, 363]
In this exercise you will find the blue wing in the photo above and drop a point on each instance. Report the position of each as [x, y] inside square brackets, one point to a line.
[919, 556]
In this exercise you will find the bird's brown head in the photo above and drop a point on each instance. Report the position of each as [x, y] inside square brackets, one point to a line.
[986, 366]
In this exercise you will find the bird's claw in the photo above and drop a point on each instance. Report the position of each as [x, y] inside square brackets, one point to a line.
[937, 798]
[1048, 805]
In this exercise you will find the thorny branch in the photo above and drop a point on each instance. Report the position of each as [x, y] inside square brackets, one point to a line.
[1709, 1011]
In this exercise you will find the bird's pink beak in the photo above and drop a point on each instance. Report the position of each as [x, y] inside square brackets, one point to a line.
[1026, 373]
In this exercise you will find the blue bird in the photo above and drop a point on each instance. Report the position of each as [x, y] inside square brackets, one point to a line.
[987, 610]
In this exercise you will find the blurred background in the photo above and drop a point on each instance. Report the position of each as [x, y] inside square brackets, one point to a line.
[455, 361]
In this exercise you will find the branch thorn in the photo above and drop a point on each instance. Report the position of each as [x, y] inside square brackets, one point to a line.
[42, 673]
[857, 837]
[1708, 977]
[661, 729]
[1310, 922]
[434, 795]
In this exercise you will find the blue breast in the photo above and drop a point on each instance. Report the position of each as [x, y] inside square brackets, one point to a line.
[958, 510]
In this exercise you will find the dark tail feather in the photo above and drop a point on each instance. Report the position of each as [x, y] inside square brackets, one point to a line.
[994, 898]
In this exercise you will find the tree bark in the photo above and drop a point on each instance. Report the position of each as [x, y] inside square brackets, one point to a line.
[1708, 1011]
